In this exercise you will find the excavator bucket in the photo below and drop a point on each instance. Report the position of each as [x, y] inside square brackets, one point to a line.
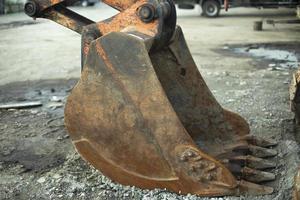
[142, 114]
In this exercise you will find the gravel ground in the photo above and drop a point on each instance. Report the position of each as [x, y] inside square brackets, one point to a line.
[37, 159]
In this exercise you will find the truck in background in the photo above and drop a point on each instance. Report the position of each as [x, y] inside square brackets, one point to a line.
[212, 8]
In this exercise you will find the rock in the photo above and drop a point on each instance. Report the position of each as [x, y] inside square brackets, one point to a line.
[286, 73]
[230, 100]
[34, 112]
[225, 73]
[41, 180]
[56, 176]
[82, 194]
[272, 68]
[39, 92]
[286, 82]
[7, 151]
[70, 195]
[243, 83]
[59, 138]
[56, 99]
[66, 136]
[55, 105]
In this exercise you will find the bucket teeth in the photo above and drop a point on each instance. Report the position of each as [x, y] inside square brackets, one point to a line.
[249, 188]
[234, 168]
[257, 176]
[257, 141]
[256, 151]
[253, 162]
[262, 152]
[249, 174]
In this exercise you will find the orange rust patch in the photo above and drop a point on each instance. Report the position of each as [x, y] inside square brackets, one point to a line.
[128, 19]
[121, 4]
[55, 1]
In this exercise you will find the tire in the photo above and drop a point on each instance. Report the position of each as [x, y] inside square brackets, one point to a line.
[211, 8]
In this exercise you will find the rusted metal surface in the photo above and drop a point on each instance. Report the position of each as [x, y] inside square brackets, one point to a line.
[295, 101]
[120, 5]
[129, 22]
[57, 11]
[143, 115]
[296, 190]
[67, 18]
[295, 95]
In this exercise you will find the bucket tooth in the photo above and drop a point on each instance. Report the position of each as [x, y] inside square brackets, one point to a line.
[249, 188]
[256, 151]
[256, 176]
[253, 162]
[259, 141]
[249, 174]
[262, 152]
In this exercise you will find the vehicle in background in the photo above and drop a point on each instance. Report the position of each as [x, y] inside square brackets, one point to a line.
[211, 8]
[86, 3]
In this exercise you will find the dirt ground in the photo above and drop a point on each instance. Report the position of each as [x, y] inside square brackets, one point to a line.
[249, 72]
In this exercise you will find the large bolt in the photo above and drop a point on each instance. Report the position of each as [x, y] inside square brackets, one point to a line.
[146, 12]
[31, 8]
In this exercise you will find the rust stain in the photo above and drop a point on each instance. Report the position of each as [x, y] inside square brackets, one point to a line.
[120, 4]
[129, 19]
[296, 190]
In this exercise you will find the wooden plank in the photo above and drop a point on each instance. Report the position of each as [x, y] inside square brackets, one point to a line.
[20, 105]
